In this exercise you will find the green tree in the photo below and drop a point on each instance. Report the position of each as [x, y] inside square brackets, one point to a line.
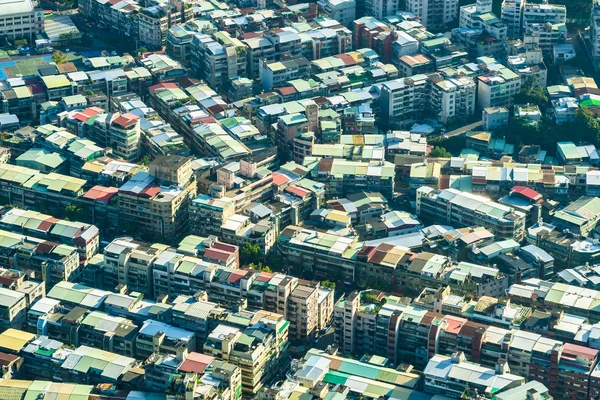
[139, 51]
[145, 160]
[249, 254]
[440, 152]
[328, 285]
[59, 57]
[275, 261]
[73, 213]
[530, 94]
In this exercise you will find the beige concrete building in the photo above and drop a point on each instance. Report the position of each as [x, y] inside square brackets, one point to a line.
[303, 312]
[157, 203]
[19, 19]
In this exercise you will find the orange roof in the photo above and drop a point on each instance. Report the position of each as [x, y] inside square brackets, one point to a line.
[280, 179]
[126, 120]
[298, 191]
[454, 324]
[101, 193]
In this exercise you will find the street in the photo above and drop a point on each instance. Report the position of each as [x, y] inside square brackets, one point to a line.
[462, 130]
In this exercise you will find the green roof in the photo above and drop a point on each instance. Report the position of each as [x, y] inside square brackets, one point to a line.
[335, 378]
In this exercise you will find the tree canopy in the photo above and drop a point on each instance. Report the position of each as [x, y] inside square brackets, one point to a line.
[530, 94]
[249, 254]
[59, 57]
[584, 128]
[440, 152]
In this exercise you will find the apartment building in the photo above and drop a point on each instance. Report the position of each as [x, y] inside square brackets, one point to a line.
[434, 14]
[542, 14]
[158, 337]
[157, 201]
[103, 331]
[452, 99]
[453, 376]
[21, 19]
[218, 58]
[13, 308]
[494, 118]
[302, 313]
[595, 30]
[405, 98]
[93, 366]
[239, 229]
[461, 209]
[85, 237]
[498, 88]
[367, 376]
[154, 23]
[580, 217]
[343, 177]
[258, 350]
[550, 35]
[480, 16]
[343, 11]
[208, 214]
[277, 73]
[130, 263]
[49, 261]
[329, 40]
[512, 11]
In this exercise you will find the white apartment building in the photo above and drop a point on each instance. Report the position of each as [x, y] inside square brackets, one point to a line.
[480, 16]
[19, 19]
[404, 98]
[343, 11]
[434, 14]
[403, 45]
[512, 10]
[218, 58]
[549, 34]
[497, 89]
[453, 98]
[382, 8]
[543, 13]
[595, 29]
[494, 118]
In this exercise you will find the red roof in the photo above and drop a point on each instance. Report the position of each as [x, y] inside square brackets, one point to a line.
[280, 179]
[286, 90]
[225, 247]
[298, 191]
[346, 58]
[186, 82]
[46, 246]
[236, 276]
[150, 191]
[526, 192]
[217, 108]
[168, 85]
[91, 111]
[579, 351]
[126, 120]
[264, 277]
[196, 362]
[101, 193]
[207, 120]
[250, 35]
[7, 359]
[45, 226]
[454, 324]
[80, 117]
[217, 254]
